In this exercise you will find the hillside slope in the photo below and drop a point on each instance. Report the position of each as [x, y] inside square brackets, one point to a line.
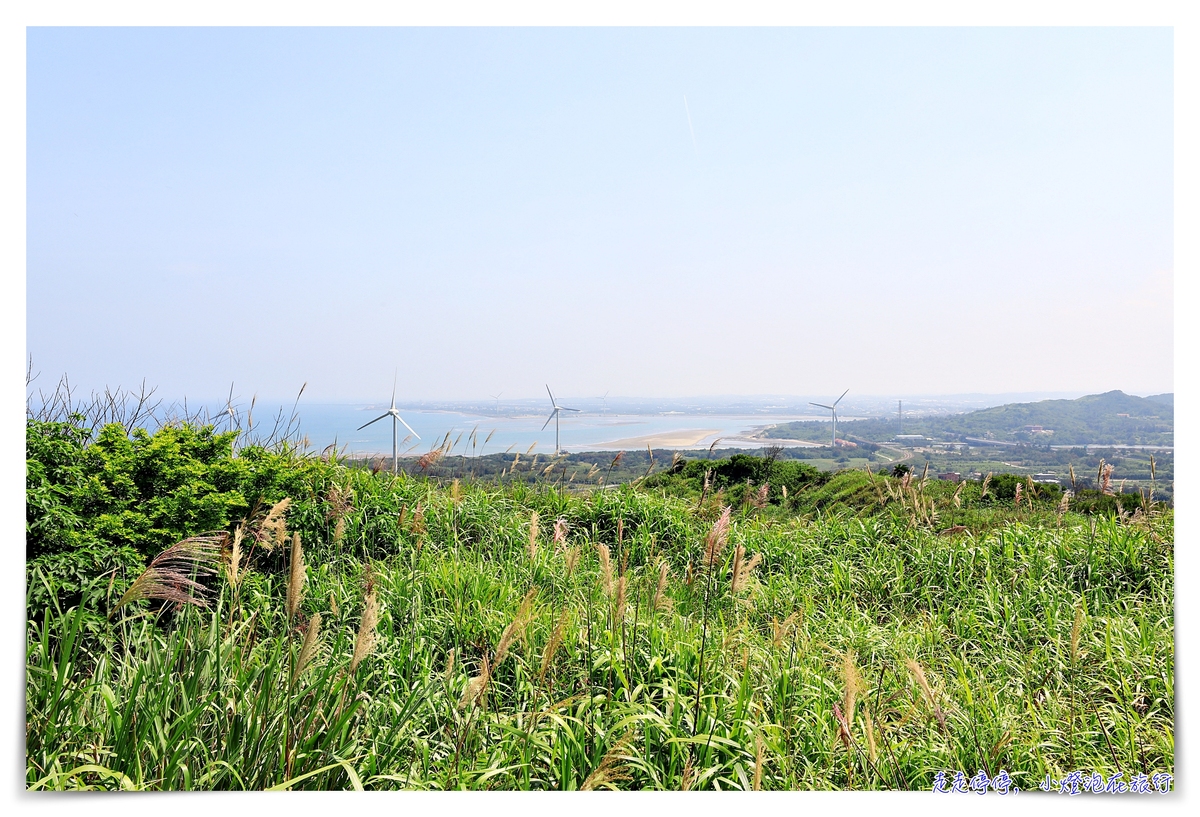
[1112, 418]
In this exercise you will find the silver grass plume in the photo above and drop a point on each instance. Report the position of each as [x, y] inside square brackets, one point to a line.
[364, 641]
[168, 577]
[296, 576]
[309, 649]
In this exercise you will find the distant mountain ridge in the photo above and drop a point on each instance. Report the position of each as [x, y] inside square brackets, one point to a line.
[1111, 418]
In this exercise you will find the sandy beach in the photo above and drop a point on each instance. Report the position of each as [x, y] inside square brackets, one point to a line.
[694, 438]
[682, 438]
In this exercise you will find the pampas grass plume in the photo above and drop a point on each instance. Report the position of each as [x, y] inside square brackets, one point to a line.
[552, 645]
[533, 535]
[661, 600]
[364, 641]
[919, 674]
[853, 682]
[606, 579]
[516, 628]
[715, 541]
[309, 649]
[296, 576]
[233, 569]
[476, 686]
[273, 529]
[611, 769]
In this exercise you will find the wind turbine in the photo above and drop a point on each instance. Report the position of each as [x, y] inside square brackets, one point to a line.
[229, 412]
[554, 416]
[395, 415]
[833, 415]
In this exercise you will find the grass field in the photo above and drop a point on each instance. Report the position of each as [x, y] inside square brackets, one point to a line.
[376, 631]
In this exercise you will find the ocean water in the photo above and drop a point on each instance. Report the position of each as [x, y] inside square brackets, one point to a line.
[518, 430]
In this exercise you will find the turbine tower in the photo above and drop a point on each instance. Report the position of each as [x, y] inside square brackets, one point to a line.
[232, 415]
[228, 410]
[832, 414]
[554, 416]
[395, 415]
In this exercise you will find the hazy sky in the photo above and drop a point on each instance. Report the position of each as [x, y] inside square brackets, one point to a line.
[892, 211]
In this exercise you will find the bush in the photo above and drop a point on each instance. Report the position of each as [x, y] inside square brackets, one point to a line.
[1095, 502]
[106, 502]
[1004, 486]
[733, 474]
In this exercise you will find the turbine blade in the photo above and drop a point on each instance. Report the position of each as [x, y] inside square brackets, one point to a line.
[406, 425]
[564, 408]
[376, 420]
[551, 396]
[835, 402]
[395, 377]
[821, 405]
[553, 414]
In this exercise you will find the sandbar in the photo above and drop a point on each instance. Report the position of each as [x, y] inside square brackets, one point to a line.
[680, 438]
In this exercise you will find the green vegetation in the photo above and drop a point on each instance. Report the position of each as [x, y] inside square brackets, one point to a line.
[995, 441]
[694, 628]
[1112, 418]
[746, 479]
[95, 504]
[585, 470]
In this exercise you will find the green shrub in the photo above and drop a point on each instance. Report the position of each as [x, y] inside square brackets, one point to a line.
[106, 501]
[733, 475]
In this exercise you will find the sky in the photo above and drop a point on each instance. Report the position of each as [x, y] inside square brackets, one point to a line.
[639, 212]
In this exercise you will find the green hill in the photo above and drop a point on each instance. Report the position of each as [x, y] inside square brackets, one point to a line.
[1112, 418]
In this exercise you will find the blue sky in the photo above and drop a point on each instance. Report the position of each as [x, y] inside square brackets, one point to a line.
[891, 210]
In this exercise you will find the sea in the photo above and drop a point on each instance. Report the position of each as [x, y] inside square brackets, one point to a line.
[473, 433]
[601, 424]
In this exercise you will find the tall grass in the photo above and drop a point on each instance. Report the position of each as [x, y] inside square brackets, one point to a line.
[445, 649]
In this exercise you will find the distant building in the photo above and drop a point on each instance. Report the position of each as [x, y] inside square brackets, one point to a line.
[840, 443]
[1122, 415]
[1038, 430]
[909, 438]
[951, 476]
[1046, 479]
